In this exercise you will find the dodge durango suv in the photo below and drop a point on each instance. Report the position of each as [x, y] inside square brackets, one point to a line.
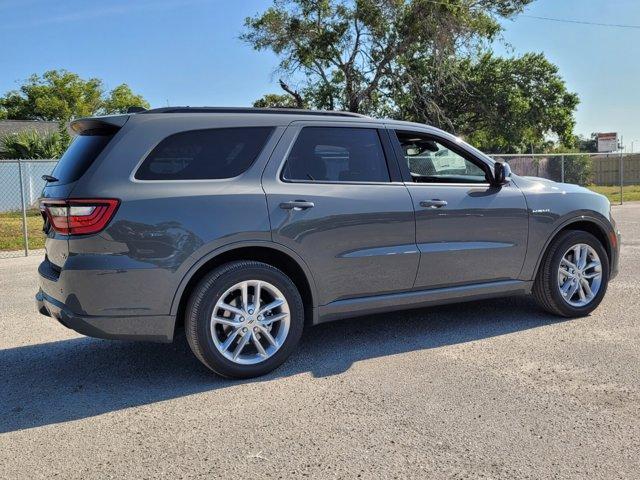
[244, 225]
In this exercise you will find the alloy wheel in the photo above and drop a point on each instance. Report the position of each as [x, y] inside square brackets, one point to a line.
[579, 275]
[250, 322]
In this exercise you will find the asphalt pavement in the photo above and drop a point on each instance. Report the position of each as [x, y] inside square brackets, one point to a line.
[491, 389]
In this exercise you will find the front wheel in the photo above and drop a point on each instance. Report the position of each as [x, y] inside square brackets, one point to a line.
[573, 276]
[244, 319]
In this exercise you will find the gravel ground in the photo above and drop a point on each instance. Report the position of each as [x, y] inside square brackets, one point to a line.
[493, 389]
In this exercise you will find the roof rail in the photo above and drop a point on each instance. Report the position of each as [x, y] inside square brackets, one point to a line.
[136, 109]
[284, 111]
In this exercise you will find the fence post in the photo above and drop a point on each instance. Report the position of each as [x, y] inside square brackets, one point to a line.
[562, 169]
[621, 176]
[24, 212]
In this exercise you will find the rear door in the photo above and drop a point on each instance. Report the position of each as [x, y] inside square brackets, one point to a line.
[467, 231]
[335, 197]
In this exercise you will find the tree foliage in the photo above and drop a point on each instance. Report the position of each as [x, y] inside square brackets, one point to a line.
[416, 59]
[505, 105]
[33, 144]
[61, 95]
[120, 99]
[346, 49]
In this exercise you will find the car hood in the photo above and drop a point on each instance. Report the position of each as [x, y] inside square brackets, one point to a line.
[549, 186]
[560, 199]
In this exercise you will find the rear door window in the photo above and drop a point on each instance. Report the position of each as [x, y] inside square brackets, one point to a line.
[337, 154]
[79, 156]
[204, 154]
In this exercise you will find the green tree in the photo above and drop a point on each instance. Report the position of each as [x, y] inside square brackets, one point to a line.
[61, 95]
[423, 60]
[56, 95]
[501, 105]
[578, 169]
[32, 144]
[345, 51]
[120, 99]
[589, 145]
[291, 99]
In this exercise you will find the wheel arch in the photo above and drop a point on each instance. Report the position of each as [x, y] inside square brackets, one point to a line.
[583, 223]
[268, 252]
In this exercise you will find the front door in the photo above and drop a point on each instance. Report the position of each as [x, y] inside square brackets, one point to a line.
[467, 231]
[335, 198]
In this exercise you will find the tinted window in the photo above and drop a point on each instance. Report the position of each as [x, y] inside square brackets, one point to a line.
[76, 160]
[204, 154]
[430, 161]
[337, 154]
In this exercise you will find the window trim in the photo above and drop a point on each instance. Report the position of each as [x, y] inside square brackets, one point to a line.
[404, 169]
[386, 152]
[269, 138]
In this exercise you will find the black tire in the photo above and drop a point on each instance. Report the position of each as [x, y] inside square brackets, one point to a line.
[204, 298]
[545, 288]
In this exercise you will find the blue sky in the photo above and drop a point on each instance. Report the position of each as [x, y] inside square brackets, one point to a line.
[188, 53]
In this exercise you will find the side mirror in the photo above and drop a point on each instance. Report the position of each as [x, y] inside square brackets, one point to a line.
[501, 173]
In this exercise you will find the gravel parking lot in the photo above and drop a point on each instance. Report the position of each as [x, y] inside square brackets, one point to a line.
[494, 389]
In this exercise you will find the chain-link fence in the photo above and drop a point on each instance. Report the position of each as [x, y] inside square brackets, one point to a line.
[615, 175]
[20, 222]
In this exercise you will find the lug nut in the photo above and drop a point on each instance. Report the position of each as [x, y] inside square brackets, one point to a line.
[255, 329]
[250, 312]
[260, 317]
[244, 330]
[242, 319]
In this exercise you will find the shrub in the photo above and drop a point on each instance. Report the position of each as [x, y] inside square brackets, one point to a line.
[33, 144]
[578, 169]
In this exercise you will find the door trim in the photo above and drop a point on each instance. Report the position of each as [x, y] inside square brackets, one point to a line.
[354, 307]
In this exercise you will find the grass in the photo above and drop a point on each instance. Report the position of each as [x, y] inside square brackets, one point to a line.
[11, 230]
[630, 193]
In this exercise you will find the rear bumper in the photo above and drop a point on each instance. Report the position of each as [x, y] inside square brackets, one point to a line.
[142, 328]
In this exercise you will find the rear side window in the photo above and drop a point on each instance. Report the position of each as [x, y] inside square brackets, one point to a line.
[337, 154]
[204, 154]
[79, 156]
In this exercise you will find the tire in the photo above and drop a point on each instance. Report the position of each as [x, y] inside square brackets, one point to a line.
[546, 288]
[207, 338]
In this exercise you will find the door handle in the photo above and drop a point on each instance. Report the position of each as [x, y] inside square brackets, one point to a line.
[296, 205]
[434, 203]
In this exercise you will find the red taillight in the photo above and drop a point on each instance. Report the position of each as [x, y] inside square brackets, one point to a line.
[79, 216]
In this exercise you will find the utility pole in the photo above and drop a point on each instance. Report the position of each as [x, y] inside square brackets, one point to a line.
[621, 169]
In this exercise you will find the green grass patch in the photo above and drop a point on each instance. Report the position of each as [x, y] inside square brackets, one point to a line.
[11, 230]
[630, 193]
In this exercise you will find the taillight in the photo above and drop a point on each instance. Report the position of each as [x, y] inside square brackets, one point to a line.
[79, 217]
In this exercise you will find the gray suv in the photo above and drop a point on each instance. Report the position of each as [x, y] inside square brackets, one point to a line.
[245, 225]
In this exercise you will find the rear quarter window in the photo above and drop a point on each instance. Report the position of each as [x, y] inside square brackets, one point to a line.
[204, 154]
[79, 156]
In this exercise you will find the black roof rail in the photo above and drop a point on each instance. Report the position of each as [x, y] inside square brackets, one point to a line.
[136, 109]
[285, 111]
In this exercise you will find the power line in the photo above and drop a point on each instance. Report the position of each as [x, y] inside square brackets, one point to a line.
[564, 20]
[551, 19]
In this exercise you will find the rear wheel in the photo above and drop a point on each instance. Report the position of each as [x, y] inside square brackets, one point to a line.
[573, 276]
[244, 319]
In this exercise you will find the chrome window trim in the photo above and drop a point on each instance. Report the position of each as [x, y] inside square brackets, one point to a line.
[443, 184]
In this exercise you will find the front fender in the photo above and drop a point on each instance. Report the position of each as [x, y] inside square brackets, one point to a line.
[607, 229]
[555, 206]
